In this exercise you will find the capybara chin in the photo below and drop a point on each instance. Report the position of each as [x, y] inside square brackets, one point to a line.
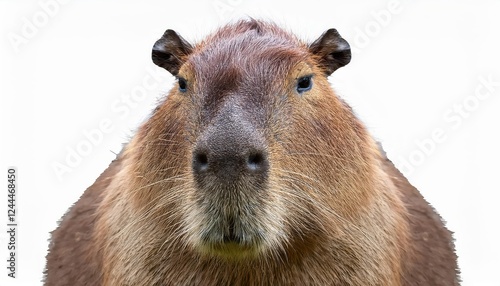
[251, 172]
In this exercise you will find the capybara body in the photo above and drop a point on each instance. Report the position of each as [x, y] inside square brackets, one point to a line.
[251, 172]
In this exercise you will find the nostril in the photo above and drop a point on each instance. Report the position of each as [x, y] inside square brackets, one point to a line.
[200, 162]
[255, 161]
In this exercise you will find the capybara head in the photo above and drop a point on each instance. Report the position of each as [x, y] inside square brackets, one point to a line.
[252, 171]
[252, 153]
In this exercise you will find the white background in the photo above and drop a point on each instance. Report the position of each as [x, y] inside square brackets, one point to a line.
[67, 66]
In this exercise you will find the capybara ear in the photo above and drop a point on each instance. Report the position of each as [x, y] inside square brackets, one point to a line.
[170, 51]
[333, 51]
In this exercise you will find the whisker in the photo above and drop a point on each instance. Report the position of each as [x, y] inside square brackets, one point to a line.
[322, 207]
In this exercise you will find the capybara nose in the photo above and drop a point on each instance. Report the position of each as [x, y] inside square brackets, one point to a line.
[231, 164]
[229, 156]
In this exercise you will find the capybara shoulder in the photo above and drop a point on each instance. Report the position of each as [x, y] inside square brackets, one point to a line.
[252, 171]
[73, 258]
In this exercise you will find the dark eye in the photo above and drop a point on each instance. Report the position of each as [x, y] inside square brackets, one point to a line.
[182, 84]
[304, 84]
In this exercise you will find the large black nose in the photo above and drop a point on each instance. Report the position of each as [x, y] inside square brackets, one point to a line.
[233, 164]
[230, 153]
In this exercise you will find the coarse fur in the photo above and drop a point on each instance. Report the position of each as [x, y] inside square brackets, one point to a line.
[328, 207]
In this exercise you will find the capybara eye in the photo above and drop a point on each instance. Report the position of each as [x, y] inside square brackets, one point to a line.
[182, 84]
[304, 84]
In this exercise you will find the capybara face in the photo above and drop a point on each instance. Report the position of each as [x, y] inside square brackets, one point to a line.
[252, 172]
[253, 143]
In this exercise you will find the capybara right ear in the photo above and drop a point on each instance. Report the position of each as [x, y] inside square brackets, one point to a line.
[170, 51]
[333, 51]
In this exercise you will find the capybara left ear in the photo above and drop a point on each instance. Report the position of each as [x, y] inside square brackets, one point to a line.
[170, 51]
[333, 51]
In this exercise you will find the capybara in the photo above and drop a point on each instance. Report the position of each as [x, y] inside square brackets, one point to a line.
[252, 171]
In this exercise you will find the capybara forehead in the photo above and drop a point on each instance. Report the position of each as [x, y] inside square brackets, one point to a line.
[246, 57]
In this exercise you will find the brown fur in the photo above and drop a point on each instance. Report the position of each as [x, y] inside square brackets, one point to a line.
[333, 210]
